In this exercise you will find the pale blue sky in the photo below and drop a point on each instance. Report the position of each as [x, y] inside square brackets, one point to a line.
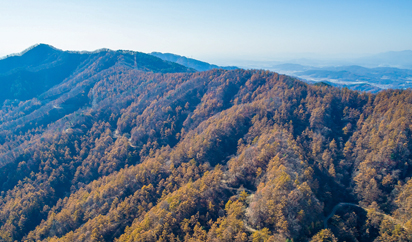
[212, 30]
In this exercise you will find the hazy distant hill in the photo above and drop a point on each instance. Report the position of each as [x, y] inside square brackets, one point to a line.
[354, 77]
[399, 59]
[42, 66]
[191, 63]
[392, 59]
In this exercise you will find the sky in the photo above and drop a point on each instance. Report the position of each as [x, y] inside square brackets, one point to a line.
[216, 31]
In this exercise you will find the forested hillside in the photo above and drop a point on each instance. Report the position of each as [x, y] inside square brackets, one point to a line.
[129, 147]
[42, 66]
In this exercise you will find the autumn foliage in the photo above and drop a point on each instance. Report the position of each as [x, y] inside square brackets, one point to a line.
[131, 154]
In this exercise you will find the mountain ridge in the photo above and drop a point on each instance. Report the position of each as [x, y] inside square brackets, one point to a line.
[189, 62]
[41, 66]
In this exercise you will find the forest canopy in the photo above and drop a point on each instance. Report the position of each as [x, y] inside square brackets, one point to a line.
[128, 147]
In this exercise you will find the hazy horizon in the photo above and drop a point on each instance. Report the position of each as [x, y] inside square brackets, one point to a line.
[212, 31]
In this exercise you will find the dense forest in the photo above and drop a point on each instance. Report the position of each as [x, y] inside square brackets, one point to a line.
[128, 147]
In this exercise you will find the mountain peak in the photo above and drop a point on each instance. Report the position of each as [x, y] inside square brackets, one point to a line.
[39, 49]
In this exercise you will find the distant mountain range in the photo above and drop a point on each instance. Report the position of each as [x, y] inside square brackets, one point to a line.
[189, 62]
[399, 59]
[354, 77]
[396, 59]
[370, 74]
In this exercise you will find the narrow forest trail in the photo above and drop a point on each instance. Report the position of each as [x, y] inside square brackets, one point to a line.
[116, 135]
[225, 186]
[251, 193]
[250, 229]
[130, 143]
[339, 205]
